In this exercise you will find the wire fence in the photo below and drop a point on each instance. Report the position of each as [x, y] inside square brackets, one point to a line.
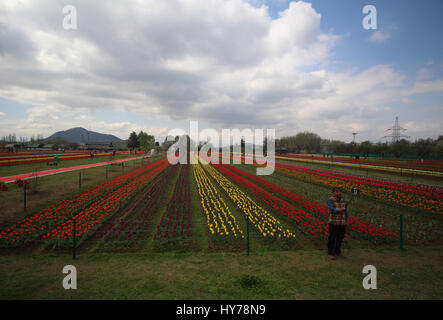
[116, 235]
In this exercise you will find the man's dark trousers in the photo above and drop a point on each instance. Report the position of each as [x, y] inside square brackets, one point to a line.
[336, 236]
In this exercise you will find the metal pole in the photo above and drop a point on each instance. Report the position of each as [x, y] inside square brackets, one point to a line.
[79, 180]
[24, 196]
[73, 241]
[107, 172]
[247, 233]
[401, 231]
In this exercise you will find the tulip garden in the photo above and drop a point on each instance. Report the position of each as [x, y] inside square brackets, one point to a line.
[415, 164]
[206, 205]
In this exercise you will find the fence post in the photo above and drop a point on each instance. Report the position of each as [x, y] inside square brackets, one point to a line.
[73, 241]
[107, 172]
[79, 180]
[401, 230]
[123, 167]
[247, 233]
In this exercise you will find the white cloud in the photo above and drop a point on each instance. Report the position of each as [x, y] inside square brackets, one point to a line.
[426, 87]
[424, 74]
[379, 36]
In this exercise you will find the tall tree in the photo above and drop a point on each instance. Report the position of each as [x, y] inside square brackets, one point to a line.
[146, 141]
[133, 141]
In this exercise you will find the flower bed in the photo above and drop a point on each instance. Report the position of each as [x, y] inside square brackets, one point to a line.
[314, 216]
[264, 222]
[220, 221]
[90, 219]
[176, 220]
[31, 228]
[128, 230]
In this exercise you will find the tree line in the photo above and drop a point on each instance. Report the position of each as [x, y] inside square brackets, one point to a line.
[308, 142]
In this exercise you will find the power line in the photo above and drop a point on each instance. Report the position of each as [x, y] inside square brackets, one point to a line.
[396, 132]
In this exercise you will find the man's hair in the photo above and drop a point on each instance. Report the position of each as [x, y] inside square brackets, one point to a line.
[336, 189]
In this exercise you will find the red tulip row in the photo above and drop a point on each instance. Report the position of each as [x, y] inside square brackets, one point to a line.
[429, 165]
[127, 231]
[30, 153]
[33, 227]
[47, 155]
[10, 162]
[90, 219]
[176, 220]
[356, 226]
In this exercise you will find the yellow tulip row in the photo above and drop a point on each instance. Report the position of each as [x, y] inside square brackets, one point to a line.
[218, 216]
[266, 224]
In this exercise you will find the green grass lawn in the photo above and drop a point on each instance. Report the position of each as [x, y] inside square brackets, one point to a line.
[415, 273]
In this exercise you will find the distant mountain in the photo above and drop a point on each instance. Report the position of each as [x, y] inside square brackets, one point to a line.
[81, 135]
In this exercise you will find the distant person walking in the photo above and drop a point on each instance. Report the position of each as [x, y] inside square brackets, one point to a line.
[338, 218]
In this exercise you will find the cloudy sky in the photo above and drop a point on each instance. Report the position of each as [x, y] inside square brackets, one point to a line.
[155, 65]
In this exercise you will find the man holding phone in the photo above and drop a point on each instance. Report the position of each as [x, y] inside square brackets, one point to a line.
[338, 218]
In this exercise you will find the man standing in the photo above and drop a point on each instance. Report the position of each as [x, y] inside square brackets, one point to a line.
[338, 218]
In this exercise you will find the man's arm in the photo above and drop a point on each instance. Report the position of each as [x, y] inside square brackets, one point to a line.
[331, 206]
